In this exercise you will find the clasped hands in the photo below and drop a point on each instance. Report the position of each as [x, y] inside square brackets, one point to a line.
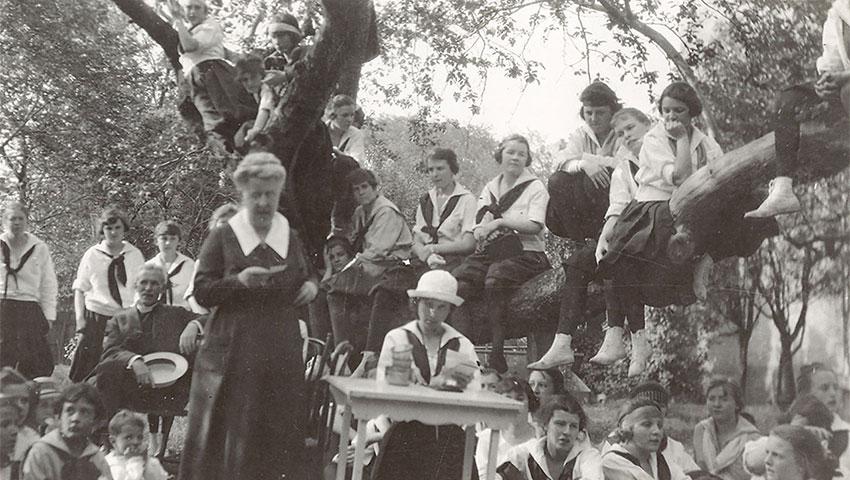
[428, 254]
[483, 232]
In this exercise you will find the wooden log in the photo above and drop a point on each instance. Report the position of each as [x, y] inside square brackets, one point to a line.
[737, 185]
[739, 178]
[533, 312]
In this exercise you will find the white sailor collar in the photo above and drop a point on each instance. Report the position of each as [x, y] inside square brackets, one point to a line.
[459, 190]
[537, 450]
[277, 239]
[493, 185]
[449, 332]
[30, 239]
[160, 260]
[585, 128]
[125, 247]
[697, 137]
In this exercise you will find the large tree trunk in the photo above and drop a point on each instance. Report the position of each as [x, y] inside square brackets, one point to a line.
[347, 39]
[737, 184]
[344, 40]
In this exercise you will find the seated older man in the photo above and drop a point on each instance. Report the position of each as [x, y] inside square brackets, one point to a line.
[121, 376]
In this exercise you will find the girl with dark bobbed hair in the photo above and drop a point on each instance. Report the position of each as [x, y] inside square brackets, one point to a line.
[104, 286]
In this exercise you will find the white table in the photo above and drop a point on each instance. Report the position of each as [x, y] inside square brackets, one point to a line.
[366, 399]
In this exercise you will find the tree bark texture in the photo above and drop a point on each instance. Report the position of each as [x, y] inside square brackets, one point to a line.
[739, 180]
[737, 184]
[343, 40]
[158, 29]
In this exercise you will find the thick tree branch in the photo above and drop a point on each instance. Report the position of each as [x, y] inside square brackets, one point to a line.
[737, 183]
[628, 21]
[157, 28]
[342, 42]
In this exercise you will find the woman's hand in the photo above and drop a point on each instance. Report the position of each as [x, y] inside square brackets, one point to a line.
[189, 339]
[306, 293]
[455, 375]
[676, 129]
[483, 231]
[254, 277]
[597, 173]
[435, 261]
[175, 10]
[252, 132]
[601, 247]
[830, 83]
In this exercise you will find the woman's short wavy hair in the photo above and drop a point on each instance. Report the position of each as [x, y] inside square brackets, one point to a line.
[260, 165]
[815, 461]
[565, 402]
[684, 93]
[112, 214]
[624, 434]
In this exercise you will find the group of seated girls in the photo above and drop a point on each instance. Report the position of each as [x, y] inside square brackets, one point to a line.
[612, 194]
[496, 244]
[490, 246]
[611, 197]
[548, 439]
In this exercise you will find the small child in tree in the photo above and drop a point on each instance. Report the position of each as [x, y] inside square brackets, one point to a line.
[128, 459]
[251, 74]
[831, 88]
[67, 452]
[284, 35]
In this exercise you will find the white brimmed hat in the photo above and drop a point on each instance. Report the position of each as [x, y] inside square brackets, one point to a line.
[439, 285]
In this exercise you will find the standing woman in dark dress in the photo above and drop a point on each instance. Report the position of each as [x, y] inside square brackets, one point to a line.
[103, 287]
[28, 302]
[245, 418]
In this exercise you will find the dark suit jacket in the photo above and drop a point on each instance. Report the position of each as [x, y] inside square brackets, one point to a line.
[124, 337]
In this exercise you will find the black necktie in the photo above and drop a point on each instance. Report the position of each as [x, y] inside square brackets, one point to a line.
[169, 287]
[13, 272]
[116, 272]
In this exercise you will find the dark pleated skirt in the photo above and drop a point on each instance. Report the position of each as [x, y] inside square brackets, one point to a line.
[637, 260]
[90, 347]
[415, 451]
[23, 338]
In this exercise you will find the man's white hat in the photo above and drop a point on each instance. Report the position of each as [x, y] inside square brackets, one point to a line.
[439, 285]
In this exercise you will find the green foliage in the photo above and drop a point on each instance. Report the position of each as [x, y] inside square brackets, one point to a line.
[753, 56]
[83, 127]
[680, 342]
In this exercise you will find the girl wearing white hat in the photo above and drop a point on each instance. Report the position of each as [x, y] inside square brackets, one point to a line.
[440, 354]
